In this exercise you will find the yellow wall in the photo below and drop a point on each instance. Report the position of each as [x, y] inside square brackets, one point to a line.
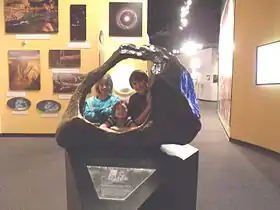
[33, 122]
[255, 109]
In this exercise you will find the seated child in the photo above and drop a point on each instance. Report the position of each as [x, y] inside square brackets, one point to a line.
[119, 118]
[140, 103]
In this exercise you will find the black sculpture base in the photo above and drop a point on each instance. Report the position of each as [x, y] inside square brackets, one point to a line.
[163, 181]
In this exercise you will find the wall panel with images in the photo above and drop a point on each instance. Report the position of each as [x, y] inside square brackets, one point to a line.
[226, 49]
[39, 74]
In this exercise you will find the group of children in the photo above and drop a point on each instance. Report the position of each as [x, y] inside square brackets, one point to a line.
[111, 112]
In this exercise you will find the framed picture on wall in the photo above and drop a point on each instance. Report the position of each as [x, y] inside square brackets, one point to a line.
[78, 21]
[268, 64]
[24, 70]
[66, 82]
[31, 16]
[64, 59]
[125, 19]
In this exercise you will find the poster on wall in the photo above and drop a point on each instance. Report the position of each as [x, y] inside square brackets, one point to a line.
[64, 59]
[78, 23]
[31, 16]
[66, 83]
[226, 48]
[268, 63]
[125, 19]
[24, 70]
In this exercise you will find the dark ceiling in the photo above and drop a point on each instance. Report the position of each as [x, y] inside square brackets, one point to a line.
[204, 20]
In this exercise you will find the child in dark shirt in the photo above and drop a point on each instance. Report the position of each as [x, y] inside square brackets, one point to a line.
[139, 105]
[119, 119]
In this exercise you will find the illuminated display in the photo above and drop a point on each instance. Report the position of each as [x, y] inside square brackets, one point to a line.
[268, 64]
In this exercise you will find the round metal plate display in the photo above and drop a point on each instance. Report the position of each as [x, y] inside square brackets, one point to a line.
[48, 106]
[19, 104]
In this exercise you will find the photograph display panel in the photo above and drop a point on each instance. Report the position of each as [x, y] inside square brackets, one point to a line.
[31, 16]
[24, 70]
[67, 82]
[125, 19]
[78, 21]
[64, 59]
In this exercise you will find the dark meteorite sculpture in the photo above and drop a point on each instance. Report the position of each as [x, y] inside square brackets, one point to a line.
[171, 120]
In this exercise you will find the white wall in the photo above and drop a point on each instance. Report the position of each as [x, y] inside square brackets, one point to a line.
[203, 76]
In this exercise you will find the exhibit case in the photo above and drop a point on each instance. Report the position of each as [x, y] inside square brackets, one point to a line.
[44, 58]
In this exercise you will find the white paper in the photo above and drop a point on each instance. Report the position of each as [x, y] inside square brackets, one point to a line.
[16, 94]
[33, 36]
[64, 96]
[49, 115]
[65, 70]
[20, 112]
[181, 151]
[79, 45]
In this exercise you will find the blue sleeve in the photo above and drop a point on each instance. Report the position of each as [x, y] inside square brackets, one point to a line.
[89, 112]
[108, 111]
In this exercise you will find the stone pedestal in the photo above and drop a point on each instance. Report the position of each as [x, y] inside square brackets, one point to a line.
[163, 181]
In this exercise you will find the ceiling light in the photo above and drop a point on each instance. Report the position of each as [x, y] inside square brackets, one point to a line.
[184, 22]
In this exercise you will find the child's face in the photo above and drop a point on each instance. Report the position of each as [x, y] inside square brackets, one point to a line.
[103, 88]
[139, 86]
[121, 111]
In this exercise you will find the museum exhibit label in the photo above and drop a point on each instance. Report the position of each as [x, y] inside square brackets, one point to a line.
[116, 183]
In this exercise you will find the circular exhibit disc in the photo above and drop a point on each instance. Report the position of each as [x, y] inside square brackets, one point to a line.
[48, 106]
[19, 104]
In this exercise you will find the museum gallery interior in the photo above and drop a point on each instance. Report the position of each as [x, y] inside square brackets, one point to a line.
[49, 47]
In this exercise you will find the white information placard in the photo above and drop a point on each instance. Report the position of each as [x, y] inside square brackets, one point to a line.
[20, 112]
[64, 70]
[64, 96]
[268, 64]
[33, 36]
[79, 45]
[16, 94]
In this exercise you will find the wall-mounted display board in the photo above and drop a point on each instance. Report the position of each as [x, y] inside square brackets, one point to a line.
[226, 52]
[31, 16]
[64, 59]
[42, 65]
[78, 22]
[268, 64]
[24, 70]
[125, 19]
[66, 82]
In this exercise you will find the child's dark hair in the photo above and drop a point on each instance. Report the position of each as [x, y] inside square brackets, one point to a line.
[139, 76]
